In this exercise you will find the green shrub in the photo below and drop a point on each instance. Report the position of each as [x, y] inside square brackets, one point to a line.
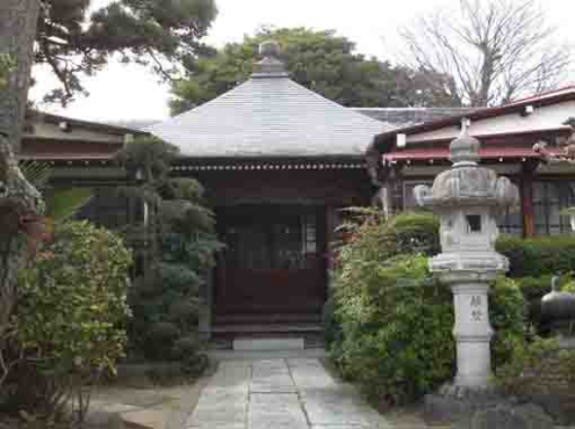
[414, 232]
[369, 236]
[70, 314]
[391, 324]
[396, 327]
[534, 257]
[508, 317]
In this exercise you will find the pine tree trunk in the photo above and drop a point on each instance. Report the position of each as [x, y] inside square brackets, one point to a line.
[18, 20]
[20, 202]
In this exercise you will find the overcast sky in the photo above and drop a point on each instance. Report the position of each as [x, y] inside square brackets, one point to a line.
[126, 92]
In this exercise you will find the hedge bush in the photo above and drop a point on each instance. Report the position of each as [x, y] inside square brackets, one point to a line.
[533, 262]
[391, 329]
[534, 257]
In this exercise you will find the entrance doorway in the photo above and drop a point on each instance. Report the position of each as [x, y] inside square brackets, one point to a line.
[274, 260]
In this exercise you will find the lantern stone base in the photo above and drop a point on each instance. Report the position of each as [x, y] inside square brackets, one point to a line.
[466, 408]
[453, 403]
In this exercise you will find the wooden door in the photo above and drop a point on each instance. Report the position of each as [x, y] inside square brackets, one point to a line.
[273, 261]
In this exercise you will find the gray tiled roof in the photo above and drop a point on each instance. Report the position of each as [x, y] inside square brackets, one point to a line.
[407, 116]
[269, 116]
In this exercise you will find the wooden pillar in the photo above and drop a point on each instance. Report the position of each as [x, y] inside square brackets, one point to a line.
[526, 193]
[396, 189]
[330, 226]
[205, 316]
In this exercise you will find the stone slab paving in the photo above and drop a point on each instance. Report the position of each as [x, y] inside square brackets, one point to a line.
[280, 393]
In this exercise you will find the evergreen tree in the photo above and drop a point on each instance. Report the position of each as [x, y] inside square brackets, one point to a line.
[174, 241]
[319, 60]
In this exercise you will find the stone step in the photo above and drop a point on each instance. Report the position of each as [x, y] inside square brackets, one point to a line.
[266, 318]
[267, 344]
[283, 328]
[144, 419]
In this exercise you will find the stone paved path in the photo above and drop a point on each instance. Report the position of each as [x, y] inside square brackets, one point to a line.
[278, 394]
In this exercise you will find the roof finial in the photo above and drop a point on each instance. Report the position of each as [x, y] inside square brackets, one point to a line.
[464, 125]
[465, 148]
[270, 48]
[270, 65]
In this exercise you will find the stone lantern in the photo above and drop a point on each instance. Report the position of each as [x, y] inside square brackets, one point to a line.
[558, 313]
[467, 198]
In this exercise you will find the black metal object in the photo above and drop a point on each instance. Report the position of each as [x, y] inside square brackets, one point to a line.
[558, 309]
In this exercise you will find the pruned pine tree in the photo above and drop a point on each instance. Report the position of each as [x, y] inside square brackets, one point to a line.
[76, 38]
[174, 242]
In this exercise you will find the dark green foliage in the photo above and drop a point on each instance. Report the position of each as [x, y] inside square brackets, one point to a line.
[161, 32]
[175, 244]
[389, 322]
[533, 262]
[508, 317]
[319, 60]
[534, 257]
[408, 232]
[413, 232]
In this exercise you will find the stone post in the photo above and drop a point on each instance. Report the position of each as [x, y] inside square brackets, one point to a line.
[472, 330]
[467, 199]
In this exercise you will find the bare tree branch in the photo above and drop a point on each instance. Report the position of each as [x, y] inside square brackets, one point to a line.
[495, 50]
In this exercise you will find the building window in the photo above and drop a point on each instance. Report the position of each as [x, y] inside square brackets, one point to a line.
[272, 242]
[511, 222]
[549, 198]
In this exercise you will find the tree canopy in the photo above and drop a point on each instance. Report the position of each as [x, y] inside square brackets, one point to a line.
[319, 60]
[496, 50]
[73, 41]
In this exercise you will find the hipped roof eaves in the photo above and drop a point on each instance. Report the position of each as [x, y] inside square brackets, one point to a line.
[185, 159]
[565, 94]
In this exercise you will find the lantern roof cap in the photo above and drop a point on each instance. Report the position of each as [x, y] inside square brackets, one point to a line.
[465, 148]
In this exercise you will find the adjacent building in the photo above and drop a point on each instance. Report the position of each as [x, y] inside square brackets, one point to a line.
[404, 157]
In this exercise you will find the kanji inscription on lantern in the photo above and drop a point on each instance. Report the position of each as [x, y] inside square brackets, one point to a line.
[476, 301]
[476, 313]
